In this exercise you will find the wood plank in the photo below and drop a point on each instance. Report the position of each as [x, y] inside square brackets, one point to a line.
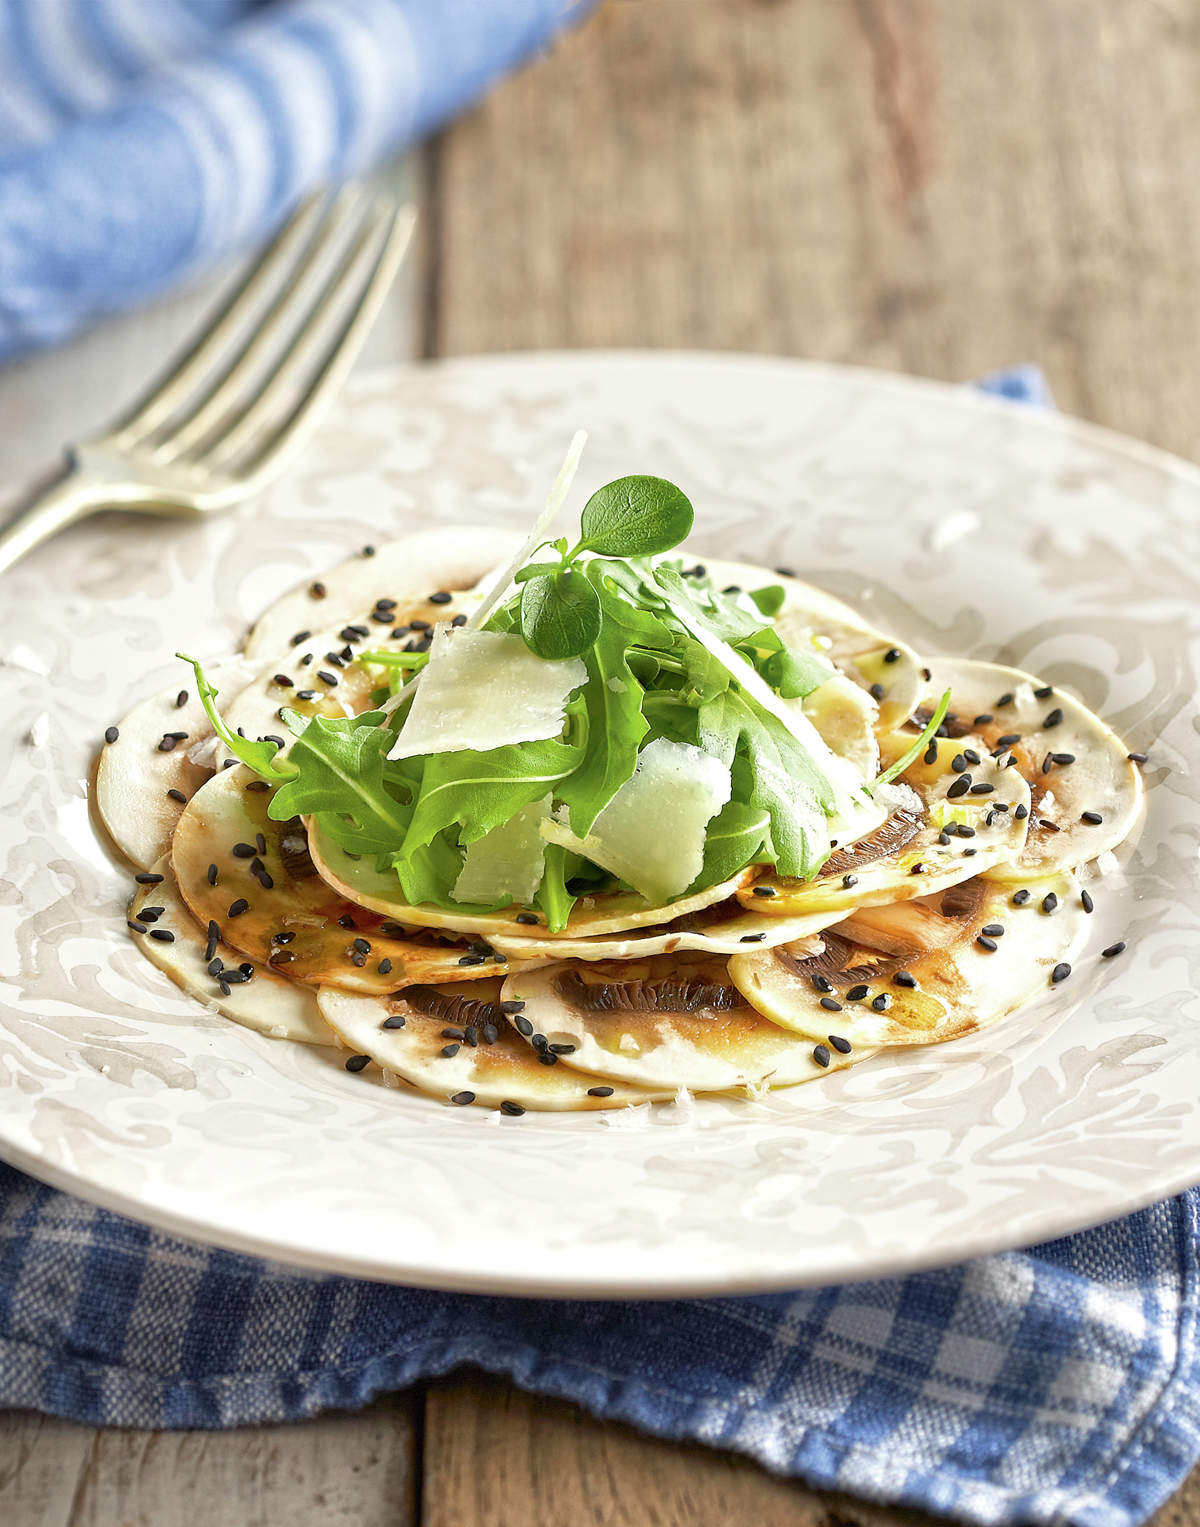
[341, 1470]
[914, 184]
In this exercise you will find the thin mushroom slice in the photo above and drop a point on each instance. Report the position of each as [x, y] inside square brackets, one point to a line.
[1078, 769]
[987, 958]
[726, 928]
[946, 825]
[608, 912]
[147, 760]
[888, 669]
[415, 1035]
[667, 1021]
[269, 901]
[258, 1000]
[405, 571]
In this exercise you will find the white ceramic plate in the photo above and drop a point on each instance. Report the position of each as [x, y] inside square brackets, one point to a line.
[965, 525]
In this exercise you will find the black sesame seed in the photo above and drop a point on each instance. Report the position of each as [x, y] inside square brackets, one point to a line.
[881, 1003]
[892, 655]
[472, 959]
[300, 636]
[903, 978]
[1092, 818]
[856, 993]
[943, 837]
[960, 787]
[959, 763]
[420, 625]
[490, 1033]
[395, 1021]
[223, 984]
[215, 967]
[462, 1098]
[284, 937]
[452, 1032]
[1113, 950]
[538, 1041]
[786, 572]
[230, 763]
[1053, 719]
[1137, 758]
[830, 1005]
[1044, 693]
[764, 890]
[239, 906]
[177, 795]
[513, 1110]
[150, 914]
[527, 919]
[993, 930]
[877, 691]
[317, 590]
[361, 945]
[306, 694]
[822, 983]
[1019, 898]
[164, 935]
[1086, 902]
[545, 1058]
[752, 938]
[523, 1026]
[1059, 973]
[821, 1055]
[136, 926]
[849, 880]
[513, 1006]
[842, 1046]
[384, 967]
[971, 756]
[459, 620]
[327, 678]
[449, 1051]
[600, 1092]
[927, 674]
[1007, 740]
[167, 745]
[471, 1035]
[111, 733]
[243, 850]
[358, 1063]
[983, 789]
[1063, 759]
[1021, 812]
[931, 752]
[987, 943]
[561, 1049]
[148, 877]
[1049, 902]
[984, 720]
[441, 597]
[1047, 763]
[1049, 825]
[1005, 699]
[233, 978]
[358, 960]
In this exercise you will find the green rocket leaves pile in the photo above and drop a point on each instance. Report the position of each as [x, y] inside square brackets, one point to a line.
[646, 632]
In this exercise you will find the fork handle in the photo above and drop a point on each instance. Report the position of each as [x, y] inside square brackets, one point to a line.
[71, 498]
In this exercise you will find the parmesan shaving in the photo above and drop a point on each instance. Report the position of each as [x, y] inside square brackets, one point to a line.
[483, 690]
[651, 834]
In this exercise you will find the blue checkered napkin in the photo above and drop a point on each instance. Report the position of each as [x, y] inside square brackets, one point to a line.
[140, 139]
[1057, 1385]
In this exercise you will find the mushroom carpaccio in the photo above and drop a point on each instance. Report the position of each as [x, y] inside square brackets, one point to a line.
[711, 831]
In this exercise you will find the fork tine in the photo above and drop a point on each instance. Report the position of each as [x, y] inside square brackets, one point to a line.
[168, 391]
[222, 390]
[336, 360]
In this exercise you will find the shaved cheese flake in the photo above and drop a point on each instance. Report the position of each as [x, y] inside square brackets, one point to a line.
[485, 689]
[506, 862]
[651, 834]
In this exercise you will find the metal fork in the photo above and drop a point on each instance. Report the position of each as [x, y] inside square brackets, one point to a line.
[240, 402]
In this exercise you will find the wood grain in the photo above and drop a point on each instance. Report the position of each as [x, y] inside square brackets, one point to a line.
[339, 1470]
[922, 185]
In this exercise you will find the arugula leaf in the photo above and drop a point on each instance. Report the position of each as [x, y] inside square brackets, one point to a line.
[771, 771]
[560, 614]
[259, 756]
[791, 672]
[553, 899]
[478, 791]
[737, 836]
[769, 600]
[429, 874]
[635, 517]
[339, 779]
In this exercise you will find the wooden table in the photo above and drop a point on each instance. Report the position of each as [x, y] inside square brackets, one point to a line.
[935, 186]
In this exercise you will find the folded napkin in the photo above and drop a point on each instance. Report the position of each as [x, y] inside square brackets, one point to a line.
[141, 139]
[1056, 1385]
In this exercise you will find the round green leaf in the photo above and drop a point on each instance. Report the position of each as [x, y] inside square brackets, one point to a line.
[560, 615]
[635, 517]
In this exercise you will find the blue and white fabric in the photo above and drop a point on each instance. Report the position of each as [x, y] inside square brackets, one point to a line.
[142, 139]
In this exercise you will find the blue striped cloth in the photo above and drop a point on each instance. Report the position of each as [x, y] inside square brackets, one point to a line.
[141, 139]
